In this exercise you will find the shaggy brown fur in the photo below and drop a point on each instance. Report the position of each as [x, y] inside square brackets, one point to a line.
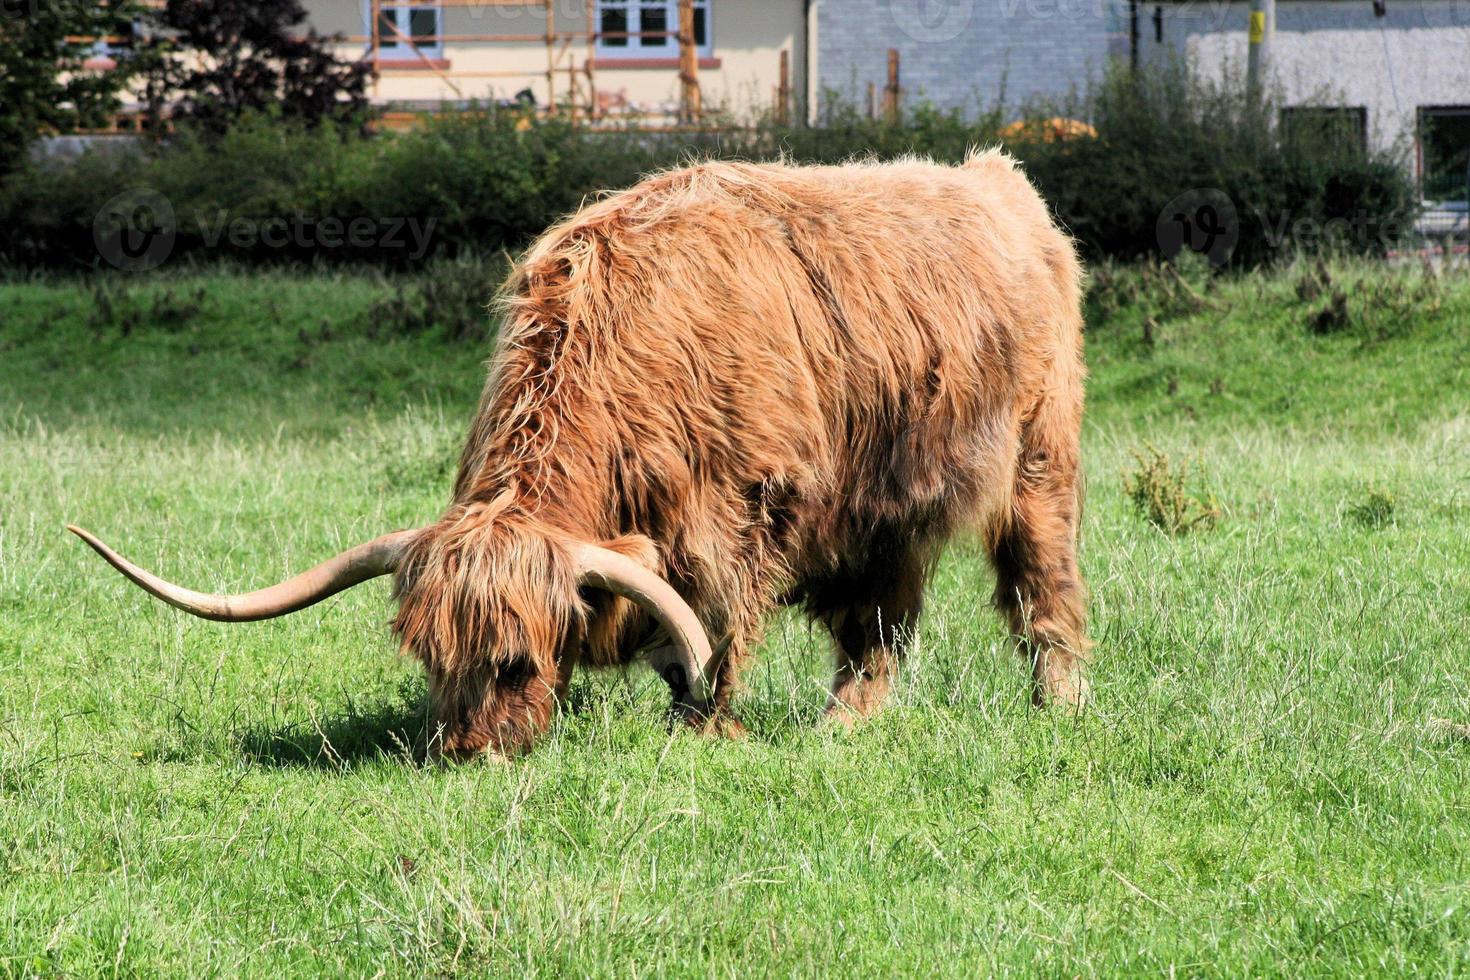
[768, 384]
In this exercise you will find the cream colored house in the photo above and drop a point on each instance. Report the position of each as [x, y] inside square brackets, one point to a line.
[625, 51]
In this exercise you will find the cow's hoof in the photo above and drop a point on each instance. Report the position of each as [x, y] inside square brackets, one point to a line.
[840, 714]
[1063, 687]
[721, 725]
[458, 756]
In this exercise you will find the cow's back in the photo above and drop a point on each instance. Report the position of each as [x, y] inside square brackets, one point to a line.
[811, 355]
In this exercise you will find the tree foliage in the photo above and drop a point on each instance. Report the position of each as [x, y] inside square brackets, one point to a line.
[45, 86]
[212, 61]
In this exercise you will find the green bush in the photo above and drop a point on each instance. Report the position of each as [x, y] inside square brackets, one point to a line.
[483, 180]
[1375, 509]
[1161, 493]
[277, 192]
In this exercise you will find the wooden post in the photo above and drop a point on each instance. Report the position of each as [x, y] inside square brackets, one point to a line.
[376, 14]
[783, 91]
[592, 27]
[890, 93]
[690, 108]
[550, 56]
[872, 101]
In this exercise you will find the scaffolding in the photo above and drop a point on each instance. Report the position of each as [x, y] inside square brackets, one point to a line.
[577, 97]
[570, 82]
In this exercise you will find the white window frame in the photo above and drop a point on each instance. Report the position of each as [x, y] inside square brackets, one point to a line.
[389, 45]
[635, 48]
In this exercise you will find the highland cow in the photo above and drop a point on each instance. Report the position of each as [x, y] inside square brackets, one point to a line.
[736, 386]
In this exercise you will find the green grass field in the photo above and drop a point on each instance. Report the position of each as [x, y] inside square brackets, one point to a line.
[1270, 779]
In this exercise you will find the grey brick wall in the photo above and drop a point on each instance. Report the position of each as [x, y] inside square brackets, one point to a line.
[967, 53]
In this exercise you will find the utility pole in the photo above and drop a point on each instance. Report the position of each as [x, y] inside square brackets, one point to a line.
[1262, 27]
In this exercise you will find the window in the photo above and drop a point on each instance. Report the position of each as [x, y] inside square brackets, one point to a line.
[406, 29]
[1444, 152]
[118, 41]
[1338, 125]
[113, 46]
[648, 28]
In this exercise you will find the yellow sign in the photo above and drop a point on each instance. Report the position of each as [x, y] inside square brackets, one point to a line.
[1258, 26]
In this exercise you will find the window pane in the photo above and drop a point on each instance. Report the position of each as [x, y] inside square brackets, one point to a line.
[653, 19]
[1445, 139]
[387, 20]
[120, 29]
[614, 21]
[701, 31]
[424, 25]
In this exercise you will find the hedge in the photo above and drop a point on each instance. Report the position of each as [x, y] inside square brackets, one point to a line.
[482, 181]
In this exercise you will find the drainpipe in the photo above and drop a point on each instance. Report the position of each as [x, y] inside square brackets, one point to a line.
[1133, 36]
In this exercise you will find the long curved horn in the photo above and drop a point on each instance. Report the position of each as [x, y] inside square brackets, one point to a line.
[378, 557]
[621, 575]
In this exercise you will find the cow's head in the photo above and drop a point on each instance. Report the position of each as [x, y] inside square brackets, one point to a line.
[494, 605]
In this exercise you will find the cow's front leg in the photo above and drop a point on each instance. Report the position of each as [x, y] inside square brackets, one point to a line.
[871, 637]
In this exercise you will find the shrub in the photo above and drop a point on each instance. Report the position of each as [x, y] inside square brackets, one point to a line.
[449, 298]
[1375, 509]
[1372, 307]
[276, 191]
[487, 182]
[1162, 496]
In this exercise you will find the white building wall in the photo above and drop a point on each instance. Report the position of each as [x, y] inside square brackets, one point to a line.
[1335, 52]
[748, 37]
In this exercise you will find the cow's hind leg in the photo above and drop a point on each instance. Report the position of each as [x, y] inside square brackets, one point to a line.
[1038, 586]
[871, 636]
